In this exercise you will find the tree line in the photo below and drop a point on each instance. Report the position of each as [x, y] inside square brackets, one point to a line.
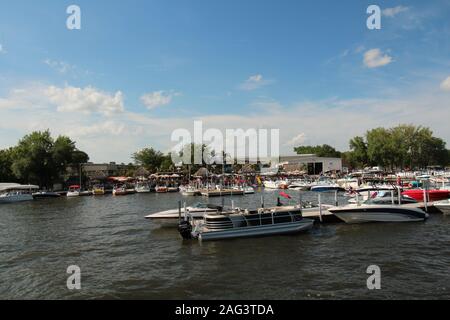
[39, 159]
[400, 147]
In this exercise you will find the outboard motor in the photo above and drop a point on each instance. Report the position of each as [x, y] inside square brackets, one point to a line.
[185, 229]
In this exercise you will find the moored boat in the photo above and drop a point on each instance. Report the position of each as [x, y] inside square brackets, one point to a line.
[45, 195]
[190, 191]
[119, 191]
[432, 195]
[142, 187]
[13, 192]
[247, 223]
[378, 213]
[74, 191]
[98, 190]
[171, 217]
[161, 189]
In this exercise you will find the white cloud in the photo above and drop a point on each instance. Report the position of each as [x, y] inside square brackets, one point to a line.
[297, 140]
[254, 82]
[392, 12]
[156, 99]
[59, 66]
[374, 58]
[2, 50]
[87, 100]
[117, 136]
[445, 85]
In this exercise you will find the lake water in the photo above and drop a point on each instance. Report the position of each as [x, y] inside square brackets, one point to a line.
[122, 255]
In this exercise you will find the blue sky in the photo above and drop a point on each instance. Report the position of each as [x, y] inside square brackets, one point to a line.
[137, 70]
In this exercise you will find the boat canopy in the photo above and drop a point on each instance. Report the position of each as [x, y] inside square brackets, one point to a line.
[16, 186]
[75, 186]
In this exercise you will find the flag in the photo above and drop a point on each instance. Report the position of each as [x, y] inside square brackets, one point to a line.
[285, 195]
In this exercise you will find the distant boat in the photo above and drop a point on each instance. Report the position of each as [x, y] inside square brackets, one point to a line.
[98, 190]
[45, 195]
[268, 184]
[172, 189]
[161, 189]
[433, 195]
[120, 191]
[189, 191]
[74, 191]
[13, 192]
[246, 189]
[142, 187]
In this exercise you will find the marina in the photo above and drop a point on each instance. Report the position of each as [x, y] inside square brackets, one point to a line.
[113, 231]
[225, 155]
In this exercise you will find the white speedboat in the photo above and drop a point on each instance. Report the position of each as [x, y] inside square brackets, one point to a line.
[300, 185]
[120, 191]
[142, 187]
[245, 189]
[247, 223]
[443, 206]
[269, 184]
[171, 217]
[378, 213]
[189, 191]
[14, 192]
[74, 191]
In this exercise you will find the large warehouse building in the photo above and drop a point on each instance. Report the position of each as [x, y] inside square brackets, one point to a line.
[310, 163]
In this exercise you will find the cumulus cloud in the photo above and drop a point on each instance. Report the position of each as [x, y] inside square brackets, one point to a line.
[374, 58]
[254, 82]
[392, 12]
[156, 99]
[85, 100]
[297, 140]
[445, 85]
[116, 137]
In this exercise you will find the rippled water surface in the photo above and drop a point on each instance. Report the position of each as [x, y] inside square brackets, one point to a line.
[122, 255]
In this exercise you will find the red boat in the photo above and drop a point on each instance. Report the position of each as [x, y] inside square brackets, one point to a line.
[433, 195]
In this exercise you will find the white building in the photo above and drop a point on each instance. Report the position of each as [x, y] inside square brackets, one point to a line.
[310, 163]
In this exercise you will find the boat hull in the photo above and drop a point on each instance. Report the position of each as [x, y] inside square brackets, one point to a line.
[379, 214]
[16, 198]
[45, 195]
[258, 231]
[433, 195]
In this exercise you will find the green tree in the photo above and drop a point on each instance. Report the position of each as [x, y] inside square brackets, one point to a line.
[358, 155]
[149, 158]
[41, 160]
[320, 151]
[6, 162]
